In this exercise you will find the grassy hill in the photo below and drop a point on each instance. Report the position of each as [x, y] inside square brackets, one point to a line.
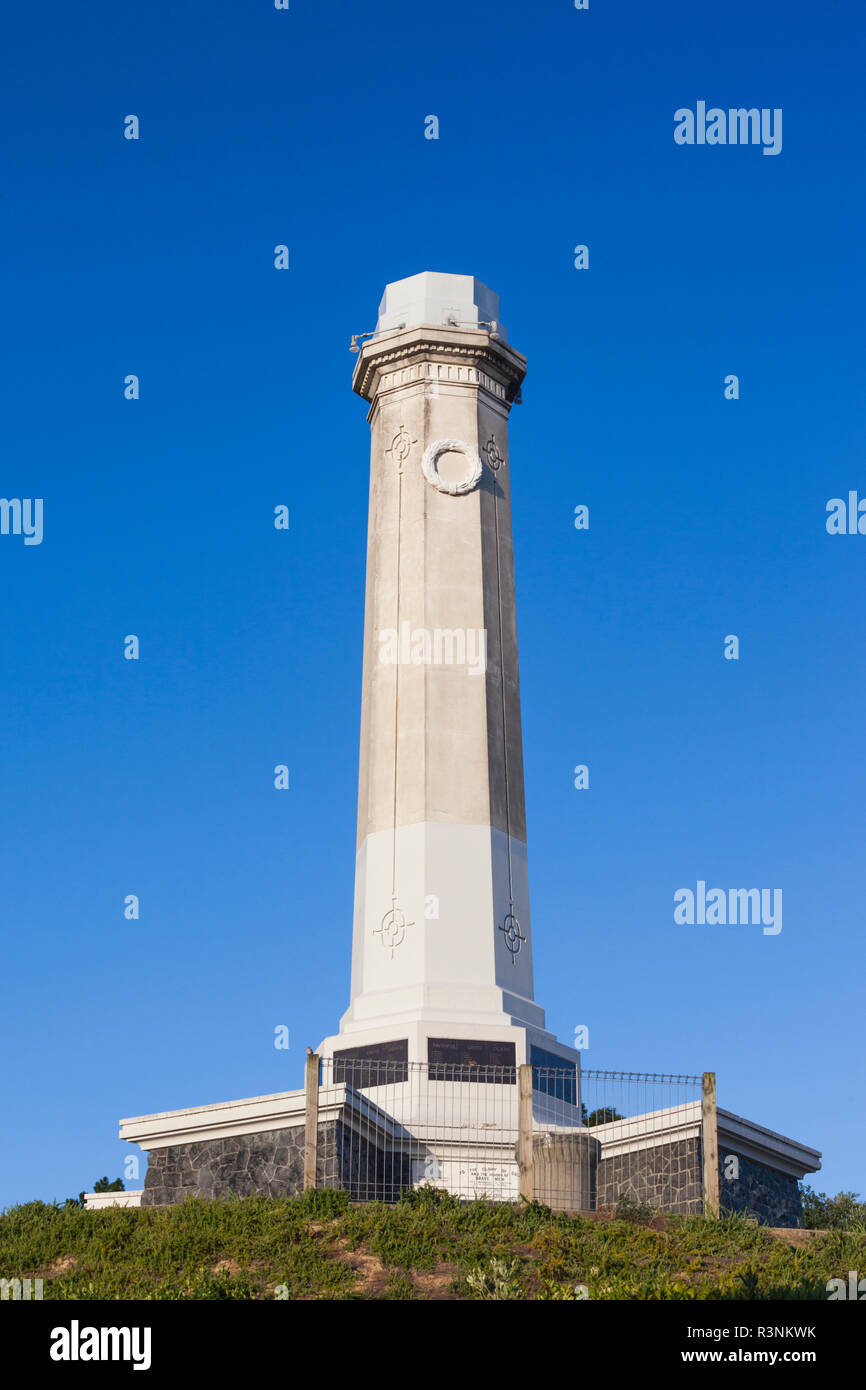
[429, 1246]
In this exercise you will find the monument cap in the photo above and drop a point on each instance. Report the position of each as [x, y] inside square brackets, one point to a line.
[436, 298]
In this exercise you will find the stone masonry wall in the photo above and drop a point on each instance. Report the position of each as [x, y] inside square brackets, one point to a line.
[772, 1196]
[666, 1176]
[272, 1162]
[669, 1177]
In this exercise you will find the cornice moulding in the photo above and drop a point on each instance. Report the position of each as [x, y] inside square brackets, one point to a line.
[436, 343]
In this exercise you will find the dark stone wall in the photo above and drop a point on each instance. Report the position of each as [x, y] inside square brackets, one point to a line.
[668, 1177]
[764, 1192]
[272, 1162]
[364, 1170]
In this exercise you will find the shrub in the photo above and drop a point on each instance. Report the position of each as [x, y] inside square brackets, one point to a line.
[842, 1212]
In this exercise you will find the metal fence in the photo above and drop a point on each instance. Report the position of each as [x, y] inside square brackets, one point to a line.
[574, 1139]
[657, 1139]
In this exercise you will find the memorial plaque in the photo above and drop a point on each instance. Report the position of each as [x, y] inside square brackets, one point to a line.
[379, 1064]
[468, 1059]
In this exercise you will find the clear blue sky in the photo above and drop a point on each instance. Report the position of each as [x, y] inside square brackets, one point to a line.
[155, 777]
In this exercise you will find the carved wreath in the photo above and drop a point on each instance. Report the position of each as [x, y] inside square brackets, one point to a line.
[433, 453]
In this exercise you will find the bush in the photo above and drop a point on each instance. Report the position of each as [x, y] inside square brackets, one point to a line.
[840, 1213]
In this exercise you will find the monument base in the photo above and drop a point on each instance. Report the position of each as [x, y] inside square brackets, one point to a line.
[414, 1130]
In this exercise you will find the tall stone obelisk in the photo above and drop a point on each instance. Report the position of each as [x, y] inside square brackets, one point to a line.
[442, 938]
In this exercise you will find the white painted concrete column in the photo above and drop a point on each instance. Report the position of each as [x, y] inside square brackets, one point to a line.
[442, 922]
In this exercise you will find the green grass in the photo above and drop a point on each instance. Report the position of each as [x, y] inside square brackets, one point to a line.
[429, 1246]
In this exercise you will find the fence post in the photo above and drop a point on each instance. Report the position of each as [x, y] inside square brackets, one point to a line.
[524, 1138]
[710, 1143]
[311, 1118]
